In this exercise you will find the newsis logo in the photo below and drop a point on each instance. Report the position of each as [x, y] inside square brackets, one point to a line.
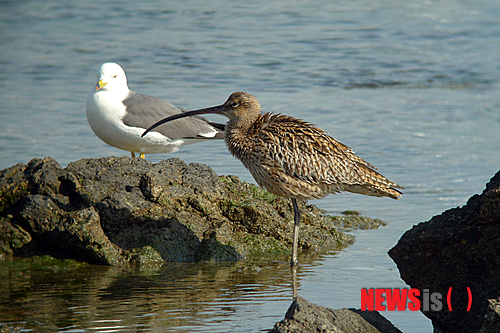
[380, 299]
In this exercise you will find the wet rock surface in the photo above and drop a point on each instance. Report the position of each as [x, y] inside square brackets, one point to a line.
[458, 249]
[492, 318]
[303, 316]
[118, 211]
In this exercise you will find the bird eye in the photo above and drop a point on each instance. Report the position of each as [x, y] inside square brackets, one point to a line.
[235, 104]
[114, 76]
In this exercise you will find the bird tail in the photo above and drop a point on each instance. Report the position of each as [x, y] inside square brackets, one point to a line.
[377, 185]
[375, 191]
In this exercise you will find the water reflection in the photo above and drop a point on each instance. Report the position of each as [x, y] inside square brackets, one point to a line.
[176, 296]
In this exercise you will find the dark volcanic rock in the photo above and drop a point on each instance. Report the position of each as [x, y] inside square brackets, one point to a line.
[492, 318]
[122, 210]
[458, 249]
[303, 316]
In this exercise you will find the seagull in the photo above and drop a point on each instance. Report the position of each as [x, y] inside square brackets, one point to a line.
[118, 116]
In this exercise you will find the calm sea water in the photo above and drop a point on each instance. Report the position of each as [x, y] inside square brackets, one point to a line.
[411, 86]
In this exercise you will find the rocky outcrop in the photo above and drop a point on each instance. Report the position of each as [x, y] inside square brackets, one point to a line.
[303, 316]
[118, 211]
[492, 318]
[458, 249]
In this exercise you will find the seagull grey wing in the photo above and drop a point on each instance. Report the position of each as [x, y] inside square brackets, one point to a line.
[144, 110]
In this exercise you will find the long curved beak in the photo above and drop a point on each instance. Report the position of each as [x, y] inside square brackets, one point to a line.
[214, 109]
[100, 84]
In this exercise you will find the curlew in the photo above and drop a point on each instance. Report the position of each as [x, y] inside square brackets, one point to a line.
[292, 158]
[118, 116]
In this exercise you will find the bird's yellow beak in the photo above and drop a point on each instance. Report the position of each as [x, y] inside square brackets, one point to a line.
[100, 85]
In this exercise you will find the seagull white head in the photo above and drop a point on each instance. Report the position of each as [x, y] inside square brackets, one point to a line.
[111, 77]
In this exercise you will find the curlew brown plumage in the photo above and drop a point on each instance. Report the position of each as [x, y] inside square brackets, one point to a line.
[291, 157]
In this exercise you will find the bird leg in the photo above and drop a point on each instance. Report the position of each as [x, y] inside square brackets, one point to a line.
[296, 220]
[294, 282]
[141, 155]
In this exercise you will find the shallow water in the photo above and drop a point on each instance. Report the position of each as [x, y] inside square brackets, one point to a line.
[411, 87]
